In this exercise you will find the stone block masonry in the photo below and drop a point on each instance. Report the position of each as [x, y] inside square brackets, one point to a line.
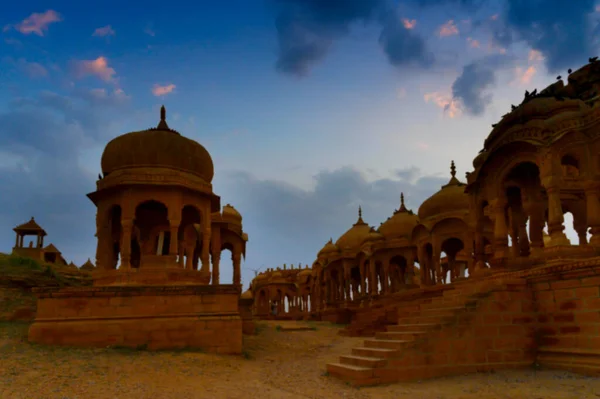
[172, 317]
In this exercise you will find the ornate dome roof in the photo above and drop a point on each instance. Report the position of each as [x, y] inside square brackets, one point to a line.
[401, 224]
[451, 197]
[355, 236]
[329, 248]
[231, 214]
[157, 147]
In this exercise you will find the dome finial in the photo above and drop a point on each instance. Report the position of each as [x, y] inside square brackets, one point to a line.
[452, 169]
[359, 212]
[162, 125]
[402, 206]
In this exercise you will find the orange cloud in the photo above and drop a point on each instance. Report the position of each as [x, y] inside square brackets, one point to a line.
[409, 23]
[104, 31]
[535, 56]
[524, 76]
[494, 17]
[159, 90]
[473, 43]
[36, 23]
[98, 67]
[444, 101]
[448, 29]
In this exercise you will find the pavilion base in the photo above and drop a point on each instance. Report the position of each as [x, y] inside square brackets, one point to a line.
[150, 276]
[154, 318]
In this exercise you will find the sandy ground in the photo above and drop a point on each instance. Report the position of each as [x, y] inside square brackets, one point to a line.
[275, 364]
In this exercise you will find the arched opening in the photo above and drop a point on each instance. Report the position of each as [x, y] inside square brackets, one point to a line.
[570, 166]
[114, 228]
[456, 258]
[226, 263]
[398, 272]
[286, 304]
[355, 283]
[150, 225]
[428, 269]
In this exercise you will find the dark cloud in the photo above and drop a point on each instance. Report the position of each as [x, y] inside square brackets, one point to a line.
[290, 225]
[467, 4]
[41, 144]
[472, 87]
[401, 45]
[307, 29]
[561, 30]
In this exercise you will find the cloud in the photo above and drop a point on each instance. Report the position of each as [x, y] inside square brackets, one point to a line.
[36, 23]
[159, 90]
[104, 31]
[409, 24]
[402, 46]
[473, 42]
[98, 67]
[535, 56]
[562, 33]
[401, 93]
[270, 207]
[31, 69]
[472, 87]
[46, 136]
[524, 75]
[448, 29]
[450, 105]
[308, 29]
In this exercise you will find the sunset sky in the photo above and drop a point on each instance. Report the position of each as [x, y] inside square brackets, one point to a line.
[309, 108]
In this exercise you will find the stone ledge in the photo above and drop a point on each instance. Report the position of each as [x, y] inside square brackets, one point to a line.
[203, 316]
[51, 292]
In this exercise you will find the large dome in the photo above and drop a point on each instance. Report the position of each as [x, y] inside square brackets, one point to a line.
[355, 236]
[157, 147]
[451, 198]
[401, 224]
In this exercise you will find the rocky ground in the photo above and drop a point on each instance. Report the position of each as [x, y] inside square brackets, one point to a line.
[276, 364]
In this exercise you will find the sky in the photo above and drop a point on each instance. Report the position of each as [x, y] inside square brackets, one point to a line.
[309, 108]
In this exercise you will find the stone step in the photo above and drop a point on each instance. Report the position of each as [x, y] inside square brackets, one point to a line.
[386, 343]
[363, 361]
[376, 352]
[569, 351]
[437, 319]
[401, 336]
[412, 327]
[441, 312]
[347, 372]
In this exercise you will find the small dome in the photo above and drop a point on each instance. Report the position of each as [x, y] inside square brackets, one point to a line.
[451, 198]
[401, 224]
[246, 295]
[231, 214]
[305, 272]
[355, 236]
[329, 248]
[157, 147]
[374, 235]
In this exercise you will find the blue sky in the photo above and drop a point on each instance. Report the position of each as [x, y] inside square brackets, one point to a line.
[308, 108]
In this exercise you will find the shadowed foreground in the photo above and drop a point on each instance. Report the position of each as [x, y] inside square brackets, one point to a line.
[276, 364]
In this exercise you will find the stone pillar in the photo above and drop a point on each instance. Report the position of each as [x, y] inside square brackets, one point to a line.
[363, 278]
[409, 273]
[204, 254]
[436, 262]
[216, 260]
[555, 217]
[500, 230]
[592, 196]
[17, 241]
[126, 228]
[174, 240]
[385, 271]
[373, 289]
[236, 257]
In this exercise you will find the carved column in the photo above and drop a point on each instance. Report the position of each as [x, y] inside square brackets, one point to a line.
[216, 260]
[500, 230]
[385, 271]
[555, 217]
[373, 289]
[536, 212]
[174, 241]
[592, 195]
[205, 252]
[236, 257]
[126, 228]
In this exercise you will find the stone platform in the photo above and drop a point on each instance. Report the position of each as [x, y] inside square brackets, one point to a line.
[155, 317]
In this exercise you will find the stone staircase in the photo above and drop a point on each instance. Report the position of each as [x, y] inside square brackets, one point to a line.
[570, 350]
[440, 337]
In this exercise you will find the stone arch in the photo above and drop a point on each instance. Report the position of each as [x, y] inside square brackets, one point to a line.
[451, 269]
[398, 271]
[570, 165]
[151, 225]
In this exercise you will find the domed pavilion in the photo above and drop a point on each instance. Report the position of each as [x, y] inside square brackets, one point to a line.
[158, 224]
